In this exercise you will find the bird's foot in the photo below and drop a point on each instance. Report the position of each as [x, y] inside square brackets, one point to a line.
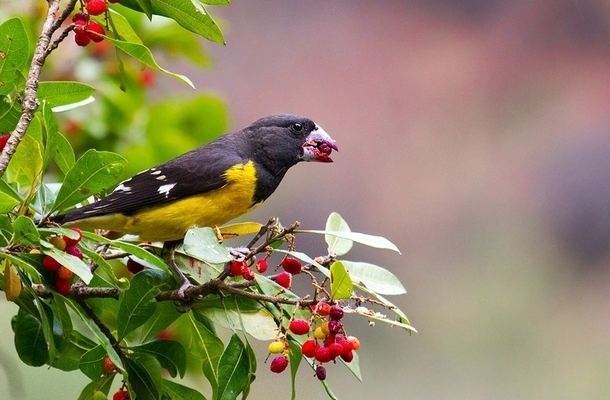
[240, 253]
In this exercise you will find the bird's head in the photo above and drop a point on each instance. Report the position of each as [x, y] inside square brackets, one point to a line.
[289, 139]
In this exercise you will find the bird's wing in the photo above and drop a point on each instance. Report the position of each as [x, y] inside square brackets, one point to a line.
[193, 173]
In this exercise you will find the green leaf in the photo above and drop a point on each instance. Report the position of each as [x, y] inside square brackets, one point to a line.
[58, 93]
[202, 243]
[146, 7]
[145, 56]
[374, 277]
[26, 165]
[29, 340]
[166, 314]
[14, 53]
[58, 148]
[216, 2]
[370, 240]
[295, 356]
[94, 172]
[130, 248]
[141, 379]
[336, 245]
[232, 370]
[25, 231]
[10, 112]
[340, 283]
[187, 13]
[69, 353]
[7, 203]
[170, 354]
[99, 335]
[103, 385]
[74, 264]
[354, 366]
[259, 324]
[176, 391]
[123, 28]
[137, 304]
[205, 345]
[92, 362]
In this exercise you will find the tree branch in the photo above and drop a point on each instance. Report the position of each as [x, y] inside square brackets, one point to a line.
[30, 101]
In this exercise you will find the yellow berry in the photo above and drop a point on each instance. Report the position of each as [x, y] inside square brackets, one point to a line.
[58, 242]
[277, 346]
[319, 334]
[325, 328]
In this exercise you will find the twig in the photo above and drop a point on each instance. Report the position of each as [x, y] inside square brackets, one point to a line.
[65, 14]
[30, 101]
[272, 238]
[60, 38]
[91, 314]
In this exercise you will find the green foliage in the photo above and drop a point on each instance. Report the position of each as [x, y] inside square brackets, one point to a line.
[130, 320]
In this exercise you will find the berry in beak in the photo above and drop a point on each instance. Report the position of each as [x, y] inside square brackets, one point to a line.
[318, 146]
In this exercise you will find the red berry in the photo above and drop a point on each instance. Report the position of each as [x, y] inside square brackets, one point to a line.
[248, 275]
[3, 140]
[348, 357]
[74, 251]
[320, 372]
[108, 366]
[335, 350]
[82, 39]
[279, 364]
[292, 265]
[166, 334]
[133, 266]
[354, 342]
[121, 395]
[299, 326]
[80, 18]
[346, 346]
[323, 354]
[236, 268]
[328, 340]
[308, 348]
[336, 312]
[323, 309]
[79, 233]
[146, 78]
[262, 265]
[335, 327]
[64, 273]
[96, 7]
[284, 279]
[63, 286]
[95, 31]
[50, 264]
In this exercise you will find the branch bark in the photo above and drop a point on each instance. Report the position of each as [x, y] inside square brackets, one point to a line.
[30, 100]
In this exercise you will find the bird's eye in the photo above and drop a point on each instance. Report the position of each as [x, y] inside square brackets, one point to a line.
[297, 127]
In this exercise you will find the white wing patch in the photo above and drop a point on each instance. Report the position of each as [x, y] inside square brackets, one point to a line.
[164, 189]
[161, 177]
[155, 172]
[122, 188]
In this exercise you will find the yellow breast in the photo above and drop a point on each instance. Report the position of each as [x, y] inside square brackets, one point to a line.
[171, 221]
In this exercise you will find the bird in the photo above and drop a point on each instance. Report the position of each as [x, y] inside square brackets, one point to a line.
[209, 185]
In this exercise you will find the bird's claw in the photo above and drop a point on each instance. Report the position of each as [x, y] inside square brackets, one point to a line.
[240, 253]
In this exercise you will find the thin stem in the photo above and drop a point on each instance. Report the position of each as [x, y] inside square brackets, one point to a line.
[30, 101]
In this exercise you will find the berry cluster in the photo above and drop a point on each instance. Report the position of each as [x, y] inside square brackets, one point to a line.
[63, 276]
[291, 267]
[86, 30]
[329, 342]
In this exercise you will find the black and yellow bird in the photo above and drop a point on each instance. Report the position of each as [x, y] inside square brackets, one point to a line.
[210, 185]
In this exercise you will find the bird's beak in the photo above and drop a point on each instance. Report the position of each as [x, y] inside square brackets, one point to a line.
[318, 146]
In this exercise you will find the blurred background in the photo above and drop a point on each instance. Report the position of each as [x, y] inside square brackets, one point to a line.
[475, 134]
